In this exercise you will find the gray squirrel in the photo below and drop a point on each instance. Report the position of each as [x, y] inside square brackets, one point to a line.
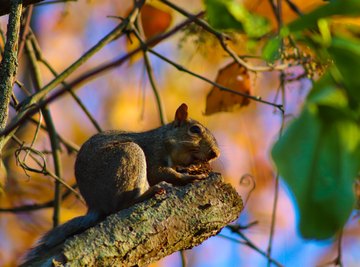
[116, 169]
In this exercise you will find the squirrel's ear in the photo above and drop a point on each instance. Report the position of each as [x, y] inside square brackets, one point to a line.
[181, 115]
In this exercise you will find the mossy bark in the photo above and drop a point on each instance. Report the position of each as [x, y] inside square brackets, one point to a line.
[9, 64]
[178, 218]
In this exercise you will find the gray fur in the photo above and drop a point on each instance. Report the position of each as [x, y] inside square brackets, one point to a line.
[59, 234]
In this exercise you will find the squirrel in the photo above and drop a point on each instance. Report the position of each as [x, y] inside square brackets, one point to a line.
[116, 169]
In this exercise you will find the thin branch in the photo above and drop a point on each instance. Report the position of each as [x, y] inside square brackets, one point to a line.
[31, 110]
[150, 73]
[277, 10]
[223, 88]
[183, 258]
[5, 5]
[25, 29]
[54, 2]
[42, 59]
[294, 7]
[245, 180]
[249, 243]
[34, 99]
[338, 260]
[34, 207]
[277, 177]
[42, 165]
[222, 40]
[70, 146]
[54, 141]
[8, 66]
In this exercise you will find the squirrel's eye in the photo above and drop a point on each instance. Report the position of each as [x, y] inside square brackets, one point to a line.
[195, 129]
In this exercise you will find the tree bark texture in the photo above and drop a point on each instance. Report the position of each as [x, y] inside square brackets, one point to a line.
[5, 5]
[8, 65]
[176, 218]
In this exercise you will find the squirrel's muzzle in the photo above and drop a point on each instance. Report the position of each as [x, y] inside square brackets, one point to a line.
[214, 153]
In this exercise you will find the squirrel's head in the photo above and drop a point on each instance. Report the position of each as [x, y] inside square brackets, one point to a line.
[190, 142]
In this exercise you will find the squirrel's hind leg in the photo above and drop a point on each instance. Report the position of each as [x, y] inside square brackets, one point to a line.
[111, 174]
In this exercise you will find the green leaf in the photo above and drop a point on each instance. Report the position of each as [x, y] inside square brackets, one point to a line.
[319, 162]
[336, 7]
[326, 93]
[271, 50]
[346, 55]
[319, 157]
[230, 15]
[219, 17]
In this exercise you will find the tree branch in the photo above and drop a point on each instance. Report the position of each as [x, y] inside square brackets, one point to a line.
[36, 101]
[180, 218]
[5, 5]
[9, 64]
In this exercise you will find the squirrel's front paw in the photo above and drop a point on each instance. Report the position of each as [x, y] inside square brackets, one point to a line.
[189, 178]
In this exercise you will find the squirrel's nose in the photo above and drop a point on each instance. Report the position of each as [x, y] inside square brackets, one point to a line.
[214, 154]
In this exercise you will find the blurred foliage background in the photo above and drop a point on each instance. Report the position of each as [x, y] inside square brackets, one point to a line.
[122, 98]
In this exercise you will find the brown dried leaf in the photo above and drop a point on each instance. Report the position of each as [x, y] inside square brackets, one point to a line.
[154, 20]
[232, 76]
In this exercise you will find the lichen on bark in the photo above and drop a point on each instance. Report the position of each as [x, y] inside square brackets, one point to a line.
[9, 64]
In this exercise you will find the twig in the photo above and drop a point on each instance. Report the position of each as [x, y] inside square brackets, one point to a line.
[223, 88]
[277, 177]
[34, 207]
[5, 5]
[183, 258]
[25, 30]
[273, 8]
[41, 58]
[34, 99]
[294, 7]
[8, 66]
[221, 38]
[150, 73]
[54, 141]
[278, 14]
[31, 110]
[70, 147]
[338, 260]
[23, 88]
[244, 180]
[249, 243]
[43, 167]
[54, 2]
[38, 126]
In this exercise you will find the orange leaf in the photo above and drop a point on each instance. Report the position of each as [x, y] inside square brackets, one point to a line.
[232, 76]
[264, 9]
[154, 20]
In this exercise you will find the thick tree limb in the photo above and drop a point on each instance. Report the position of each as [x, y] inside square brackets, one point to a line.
[179, 218]
[5, 5]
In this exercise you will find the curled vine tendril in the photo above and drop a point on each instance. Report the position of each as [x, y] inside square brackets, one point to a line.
[248, 180]
[36, 155]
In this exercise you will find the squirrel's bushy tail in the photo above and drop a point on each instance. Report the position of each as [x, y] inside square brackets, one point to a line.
[60, 234]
